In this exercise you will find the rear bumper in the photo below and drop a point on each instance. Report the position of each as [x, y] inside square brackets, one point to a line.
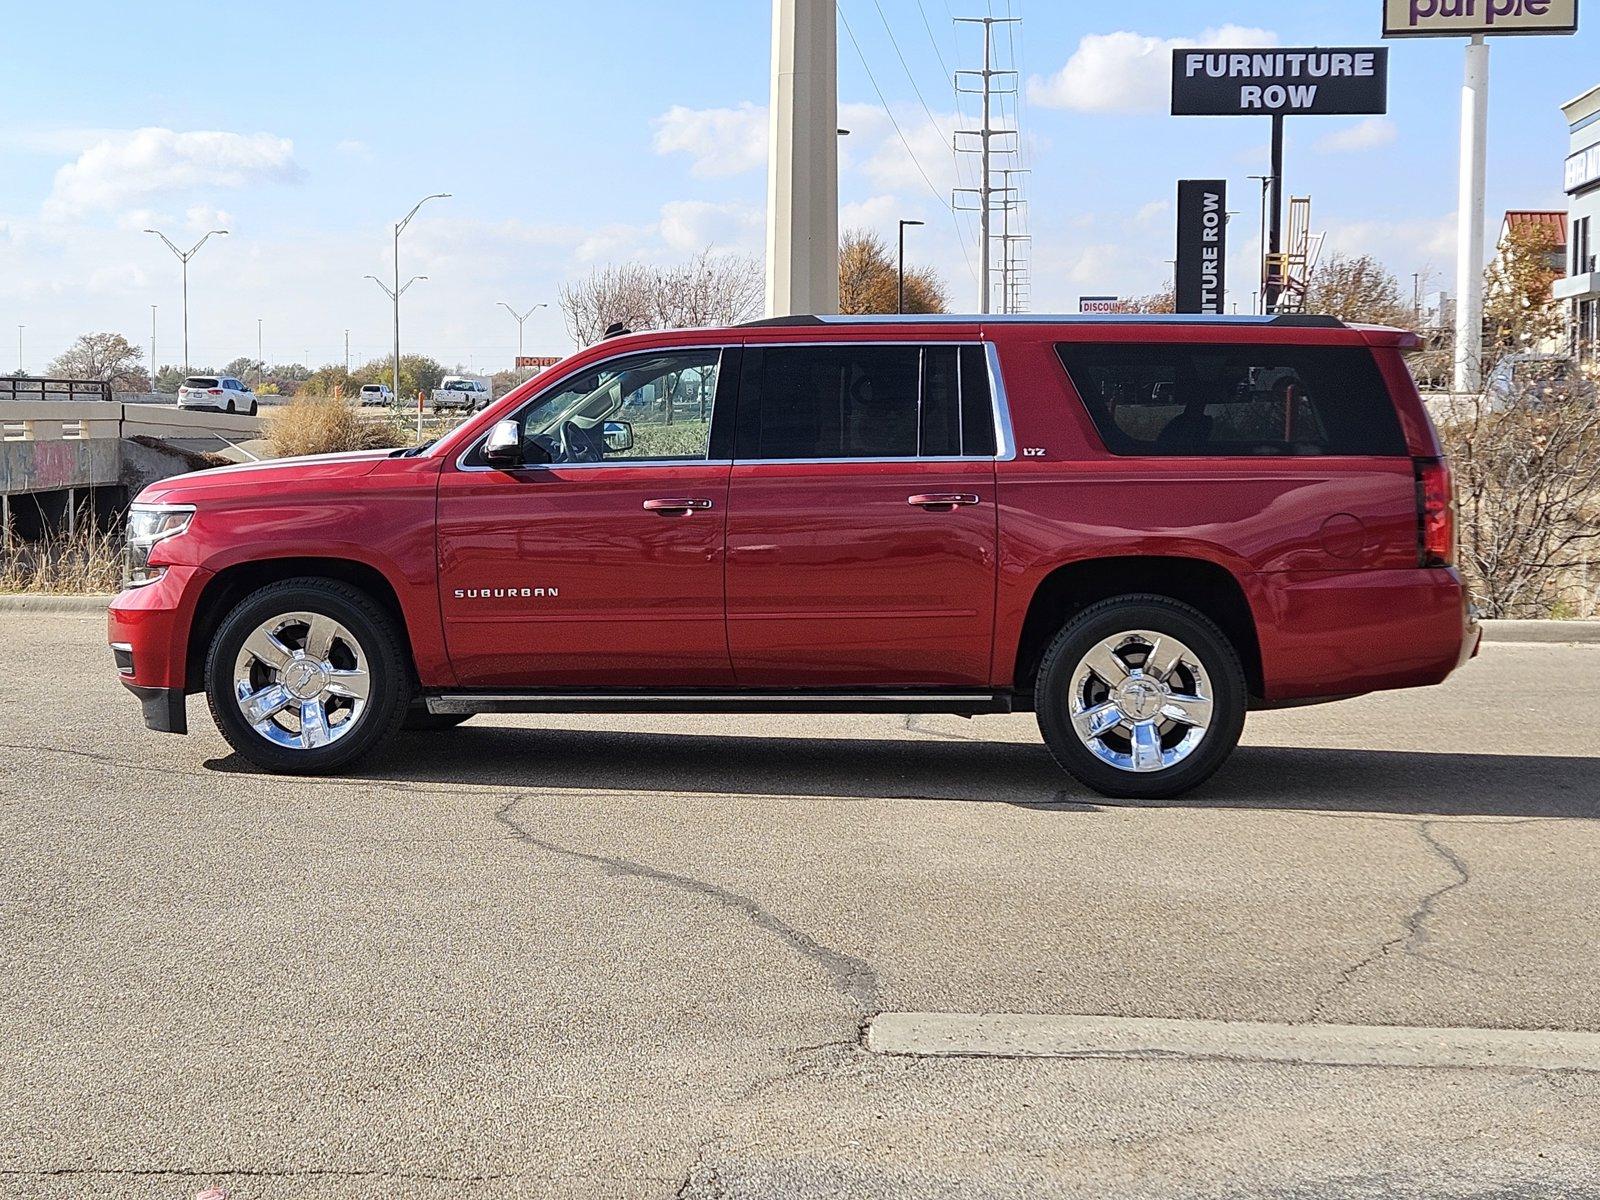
[1361, 631]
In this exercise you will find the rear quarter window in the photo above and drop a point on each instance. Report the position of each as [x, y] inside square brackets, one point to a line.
[1189, 400]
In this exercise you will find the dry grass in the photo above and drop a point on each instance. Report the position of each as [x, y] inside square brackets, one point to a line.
[318, 425]
[89, 562]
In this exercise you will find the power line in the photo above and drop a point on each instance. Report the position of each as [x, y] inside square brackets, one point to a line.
[904, 141]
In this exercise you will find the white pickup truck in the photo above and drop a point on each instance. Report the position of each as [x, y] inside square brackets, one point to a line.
[469, 393]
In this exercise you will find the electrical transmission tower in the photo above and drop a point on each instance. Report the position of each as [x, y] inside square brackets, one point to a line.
[1015, 279]
[991, 84]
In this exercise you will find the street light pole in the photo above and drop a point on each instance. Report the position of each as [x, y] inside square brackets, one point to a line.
[153, 387]
[20, 328]
[394, 295]
[258, 354]
[520, 319]
[183, 257]
[398, 290]
[900, 291]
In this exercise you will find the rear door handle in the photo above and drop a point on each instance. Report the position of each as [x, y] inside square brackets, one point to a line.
[677, 505]
[943, 500]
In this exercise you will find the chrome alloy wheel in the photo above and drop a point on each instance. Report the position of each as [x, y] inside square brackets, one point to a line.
[301, 680]
[1140, 701]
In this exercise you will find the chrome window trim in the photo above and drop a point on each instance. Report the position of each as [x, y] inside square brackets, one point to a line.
[999, 405]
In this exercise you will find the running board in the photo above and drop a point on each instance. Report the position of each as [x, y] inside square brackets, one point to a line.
[961, 704]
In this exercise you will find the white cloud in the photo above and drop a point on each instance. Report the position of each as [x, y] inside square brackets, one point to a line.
[355, 148]
[202, 217]
[689, 226]
[1130, 72]
[719, 141]
[1371, 134]
[123, 168]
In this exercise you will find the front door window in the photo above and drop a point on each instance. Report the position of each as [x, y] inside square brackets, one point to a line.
[647, 408]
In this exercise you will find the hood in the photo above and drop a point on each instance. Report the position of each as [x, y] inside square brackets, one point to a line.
[269, 473]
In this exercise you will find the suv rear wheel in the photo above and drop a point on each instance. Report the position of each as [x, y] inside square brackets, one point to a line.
[1141, 697]
[306, 676]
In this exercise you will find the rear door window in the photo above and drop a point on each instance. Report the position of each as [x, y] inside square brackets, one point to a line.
[1191, 400]
[849, 401]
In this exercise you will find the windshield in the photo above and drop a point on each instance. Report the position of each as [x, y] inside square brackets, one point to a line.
[460, 385]
[200, 382]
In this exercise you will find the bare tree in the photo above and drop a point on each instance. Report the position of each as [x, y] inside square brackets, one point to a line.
[1155, 304]
[709, 289]
[1527, 470]
[1358, 289]
[108, 357]
[869, 279]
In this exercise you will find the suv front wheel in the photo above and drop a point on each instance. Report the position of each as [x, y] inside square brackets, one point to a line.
[1141, 697]
[306, 676]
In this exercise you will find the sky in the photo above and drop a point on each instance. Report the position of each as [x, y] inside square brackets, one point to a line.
[574, 136]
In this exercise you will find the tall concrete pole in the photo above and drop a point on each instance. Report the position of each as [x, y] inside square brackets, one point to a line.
[1469, 237]
[803, 164]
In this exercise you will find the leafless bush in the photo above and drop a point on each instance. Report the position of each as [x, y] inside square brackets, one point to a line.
[710, 289]
[1527, 472]
[316, 425]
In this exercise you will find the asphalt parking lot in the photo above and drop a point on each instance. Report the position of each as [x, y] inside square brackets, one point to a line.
[635, 956]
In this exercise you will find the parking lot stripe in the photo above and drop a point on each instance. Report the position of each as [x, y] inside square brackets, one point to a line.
[1036, 1035]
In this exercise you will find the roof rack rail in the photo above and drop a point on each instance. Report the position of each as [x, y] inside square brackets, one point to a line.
[1280, 320]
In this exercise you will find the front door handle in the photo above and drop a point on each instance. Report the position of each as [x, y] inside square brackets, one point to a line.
[677, 505]
[943, 501]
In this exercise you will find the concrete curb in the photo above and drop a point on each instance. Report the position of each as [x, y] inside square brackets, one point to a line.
[1542, 632]
[30, 603]
[1558, 632]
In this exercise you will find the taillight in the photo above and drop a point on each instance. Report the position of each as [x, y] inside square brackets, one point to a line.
[1436, 513]
[215, 391]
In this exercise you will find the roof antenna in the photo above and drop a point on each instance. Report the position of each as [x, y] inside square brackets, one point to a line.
[615, 329]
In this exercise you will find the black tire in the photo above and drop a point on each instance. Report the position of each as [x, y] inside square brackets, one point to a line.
[253, 408]
[1158, 615]
[420, 720]
[390, 680]
[230, 406]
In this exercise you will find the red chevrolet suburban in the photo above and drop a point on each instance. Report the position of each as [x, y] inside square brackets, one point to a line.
[1137, 528]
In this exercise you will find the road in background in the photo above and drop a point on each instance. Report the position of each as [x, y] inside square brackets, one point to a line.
[632, 956]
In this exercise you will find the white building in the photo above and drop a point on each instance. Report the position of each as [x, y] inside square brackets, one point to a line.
[1581, 287]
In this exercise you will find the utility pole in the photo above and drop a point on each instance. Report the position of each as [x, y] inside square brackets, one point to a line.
[398, 291]
[347, 352]
[258, 354]
[1469, 236]
[803, 161]
[520, 318]
[986, 134]
[1261, 267]
[20, 328]
[153, 387]
[1010, 199]
[900, 291]
[183, 257]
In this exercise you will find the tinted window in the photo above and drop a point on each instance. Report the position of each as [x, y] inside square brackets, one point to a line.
[977, 406]
[200, 381]
[1200, 400]
[849, 401]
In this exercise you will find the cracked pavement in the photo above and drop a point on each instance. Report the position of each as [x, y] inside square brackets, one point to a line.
[631, 956]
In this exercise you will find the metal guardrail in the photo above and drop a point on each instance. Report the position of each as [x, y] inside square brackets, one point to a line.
[26, 387]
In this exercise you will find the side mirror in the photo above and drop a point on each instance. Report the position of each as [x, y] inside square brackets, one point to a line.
[618, 435]
[503, 447]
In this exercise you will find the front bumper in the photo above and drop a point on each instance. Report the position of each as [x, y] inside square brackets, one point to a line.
[166, 710]
[148, 628]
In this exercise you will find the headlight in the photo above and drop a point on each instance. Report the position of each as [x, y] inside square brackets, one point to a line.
[147, 525]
